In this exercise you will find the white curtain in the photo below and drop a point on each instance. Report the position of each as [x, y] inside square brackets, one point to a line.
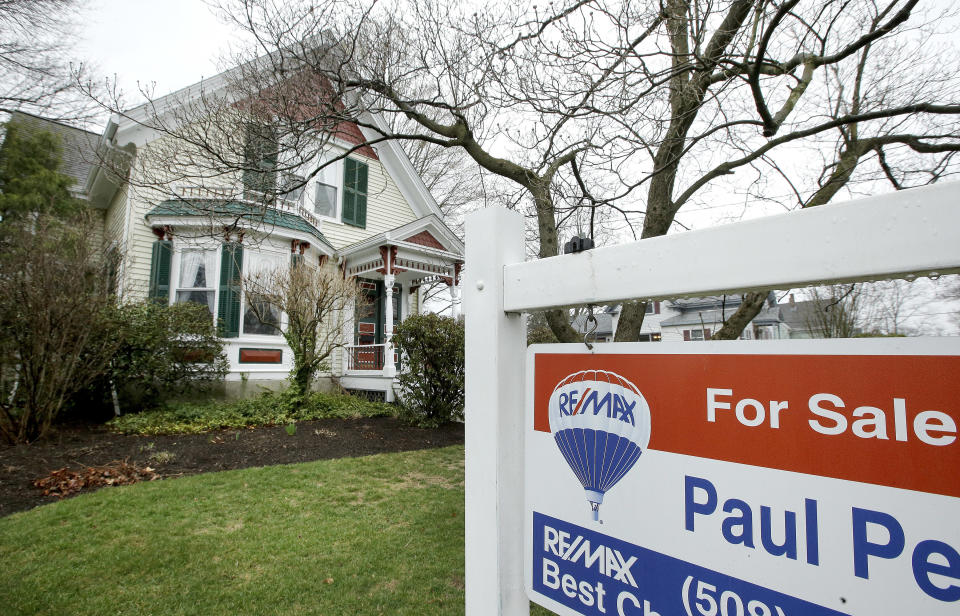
[198, 271]
[191, 262]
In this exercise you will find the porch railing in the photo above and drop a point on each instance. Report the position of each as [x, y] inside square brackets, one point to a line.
[365, 356]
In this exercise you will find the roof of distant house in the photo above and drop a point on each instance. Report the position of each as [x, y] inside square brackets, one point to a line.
[78, 146]
[770, 315]
[800, 315]
[604, 324]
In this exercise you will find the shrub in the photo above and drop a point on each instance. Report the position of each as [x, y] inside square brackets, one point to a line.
[431, 382]
[165, 350]
[267, 409]
[57, 322]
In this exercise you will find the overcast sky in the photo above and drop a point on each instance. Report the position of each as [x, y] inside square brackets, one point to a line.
[170, 43]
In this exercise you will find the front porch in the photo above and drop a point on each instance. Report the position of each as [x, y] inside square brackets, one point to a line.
[390, 269]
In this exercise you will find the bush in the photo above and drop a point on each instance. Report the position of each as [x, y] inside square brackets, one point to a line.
[267, 409]
[431, 382]
[164, 350]
[57, 322]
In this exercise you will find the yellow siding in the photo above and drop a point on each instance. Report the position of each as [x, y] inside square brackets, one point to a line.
[114, 218]
[386, 210]
[95, 233]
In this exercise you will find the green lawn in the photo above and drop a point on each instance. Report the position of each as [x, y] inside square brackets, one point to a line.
[375, 535]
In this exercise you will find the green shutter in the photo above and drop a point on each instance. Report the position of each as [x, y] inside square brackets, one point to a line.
[160, 271]
[295, 259]
[361, 204]
[354, 193]
[231, 269]
[349, 196]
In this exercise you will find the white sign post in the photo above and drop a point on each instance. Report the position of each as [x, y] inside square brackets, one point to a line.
[910, 233]
[495, 343]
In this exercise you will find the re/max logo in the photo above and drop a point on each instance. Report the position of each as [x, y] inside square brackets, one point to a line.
[611, 404]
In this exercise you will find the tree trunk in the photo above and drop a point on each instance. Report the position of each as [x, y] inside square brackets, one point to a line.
[734, 326]
[630, 322]
[558, 320]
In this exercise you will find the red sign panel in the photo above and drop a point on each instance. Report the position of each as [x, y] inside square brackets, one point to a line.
[890, 420]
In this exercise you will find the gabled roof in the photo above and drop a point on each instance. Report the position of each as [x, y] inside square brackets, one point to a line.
[233, 209]
[801, 315]
[428, 233]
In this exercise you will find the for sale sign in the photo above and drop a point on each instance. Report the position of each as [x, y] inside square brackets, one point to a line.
[760, 479]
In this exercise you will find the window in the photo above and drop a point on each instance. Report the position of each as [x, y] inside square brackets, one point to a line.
[291, 188]
[696, 334]
[653, 308]
[259, 161]
[260, 317]
[354, 193]
[197, 283]
[325, 200]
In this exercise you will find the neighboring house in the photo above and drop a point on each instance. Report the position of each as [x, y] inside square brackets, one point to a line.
[694, 319]
[369, 215]
[700, 317]
[76, 146]
[602, 331]
[802, 318]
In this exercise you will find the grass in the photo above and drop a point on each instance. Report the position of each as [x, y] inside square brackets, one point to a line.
[375, 535]
[269, 408]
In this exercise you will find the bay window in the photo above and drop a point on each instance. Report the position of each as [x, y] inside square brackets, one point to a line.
[197, 282]
[260, 317]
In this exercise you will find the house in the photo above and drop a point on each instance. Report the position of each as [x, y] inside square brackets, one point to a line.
[694, 319]
[367, 214]
[699, 318]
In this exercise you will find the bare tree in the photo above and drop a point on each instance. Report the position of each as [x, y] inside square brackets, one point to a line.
[35, 75]
[836, 311]
[602, 113]
[316, 303]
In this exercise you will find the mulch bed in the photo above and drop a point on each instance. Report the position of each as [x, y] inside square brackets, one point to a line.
[76, 456]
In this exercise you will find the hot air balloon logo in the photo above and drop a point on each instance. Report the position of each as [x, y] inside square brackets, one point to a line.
[601, 423]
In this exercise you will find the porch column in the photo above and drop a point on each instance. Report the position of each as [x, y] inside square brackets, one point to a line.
[389, 368]
[455, 300]
[411, 295]
[455, 291]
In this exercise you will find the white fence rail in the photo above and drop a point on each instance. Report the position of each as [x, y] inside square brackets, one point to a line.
[909, 233]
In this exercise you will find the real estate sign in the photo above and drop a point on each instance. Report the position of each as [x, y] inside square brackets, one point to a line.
[767, 478]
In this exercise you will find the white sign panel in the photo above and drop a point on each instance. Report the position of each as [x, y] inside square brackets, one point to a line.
[734, 479]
